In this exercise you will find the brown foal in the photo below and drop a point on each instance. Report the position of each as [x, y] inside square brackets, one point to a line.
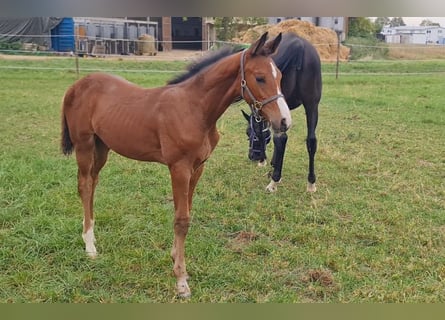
[174, 125]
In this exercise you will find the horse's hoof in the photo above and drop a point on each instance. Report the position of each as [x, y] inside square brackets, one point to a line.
[273, 186]
[185, 295]
[311, 187]
[92, 254]
[183, 291]
[262, 163]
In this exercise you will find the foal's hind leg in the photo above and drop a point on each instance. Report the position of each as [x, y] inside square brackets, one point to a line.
[91, 156]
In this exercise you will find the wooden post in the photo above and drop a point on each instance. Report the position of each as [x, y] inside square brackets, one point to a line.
[338, 53]
[77, 64]
[167, 44]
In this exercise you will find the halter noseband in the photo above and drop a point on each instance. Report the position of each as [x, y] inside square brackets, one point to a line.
[255, 105]
[265, 135]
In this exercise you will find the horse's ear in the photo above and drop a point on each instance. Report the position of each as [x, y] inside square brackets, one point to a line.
[272, 45]
[246, 115]
[258, 45]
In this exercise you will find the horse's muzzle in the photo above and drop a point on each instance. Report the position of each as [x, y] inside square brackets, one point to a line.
[257, 156]
[281, 127]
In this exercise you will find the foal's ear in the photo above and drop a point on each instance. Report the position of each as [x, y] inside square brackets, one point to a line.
[272, 45]
[257, 47]
[246, 115]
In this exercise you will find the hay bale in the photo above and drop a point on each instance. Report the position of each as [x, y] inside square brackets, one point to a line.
[146, 45]
[323, 39]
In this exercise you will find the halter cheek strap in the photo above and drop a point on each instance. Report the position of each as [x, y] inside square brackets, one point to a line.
[255, 105]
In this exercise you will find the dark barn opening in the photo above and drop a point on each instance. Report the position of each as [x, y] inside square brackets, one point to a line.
[187, 33]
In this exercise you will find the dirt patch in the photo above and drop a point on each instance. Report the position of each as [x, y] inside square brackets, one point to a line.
[323, 277]
[240, 240]
[323, 39]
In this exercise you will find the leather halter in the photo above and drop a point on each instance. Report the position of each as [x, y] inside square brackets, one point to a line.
[255, 105]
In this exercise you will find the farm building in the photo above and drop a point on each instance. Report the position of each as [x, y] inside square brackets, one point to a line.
[78, 34]
[111, 35]
[414, 34]
[191, 33]
[87, 35]
[36, 31]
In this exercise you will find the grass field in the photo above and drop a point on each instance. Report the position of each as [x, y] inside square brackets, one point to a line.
[373, 232]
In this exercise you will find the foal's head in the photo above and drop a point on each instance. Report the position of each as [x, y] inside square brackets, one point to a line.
[260, 84]
[258, 133]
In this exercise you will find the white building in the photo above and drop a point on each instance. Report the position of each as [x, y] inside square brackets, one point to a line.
[414, 35]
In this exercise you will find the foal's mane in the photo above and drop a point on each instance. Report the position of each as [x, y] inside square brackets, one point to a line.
[197, 66]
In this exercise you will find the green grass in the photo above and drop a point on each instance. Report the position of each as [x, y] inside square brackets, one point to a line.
[373, 232]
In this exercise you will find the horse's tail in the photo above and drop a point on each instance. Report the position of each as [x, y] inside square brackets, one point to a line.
[66, 143]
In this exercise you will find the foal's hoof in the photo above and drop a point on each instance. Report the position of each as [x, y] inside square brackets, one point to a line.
[92, 254]
[183, 290]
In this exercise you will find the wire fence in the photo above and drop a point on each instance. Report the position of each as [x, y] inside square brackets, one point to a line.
[406, 53]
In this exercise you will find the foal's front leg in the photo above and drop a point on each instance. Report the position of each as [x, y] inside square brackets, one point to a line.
[180, 176]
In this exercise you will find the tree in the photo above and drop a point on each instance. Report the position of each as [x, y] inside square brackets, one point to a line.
[427, 22]
[380, 22]
[224, 30]
[397, 22]
[228, 27]
[361, 27]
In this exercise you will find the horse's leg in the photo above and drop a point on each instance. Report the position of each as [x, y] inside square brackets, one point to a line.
[181, 177]
[193, 182]
[91, 157]
[311, 144]
[279, 141]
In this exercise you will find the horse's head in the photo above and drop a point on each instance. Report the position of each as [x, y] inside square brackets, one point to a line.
[259, 136]
[260, 84]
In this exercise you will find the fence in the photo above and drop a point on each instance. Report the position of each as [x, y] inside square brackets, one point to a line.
[88, 46]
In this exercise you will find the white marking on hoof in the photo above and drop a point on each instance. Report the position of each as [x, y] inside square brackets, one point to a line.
[311, 187]
[273, 186]
[262, 163]
[183, 290]
[89, 239]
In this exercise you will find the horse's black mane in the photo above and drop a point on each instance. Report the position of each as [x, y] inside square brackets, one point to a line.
[206, 61]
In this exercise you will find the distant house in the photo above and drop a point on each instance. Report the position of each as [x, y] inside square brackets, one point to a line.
[414, 34]
[339, 24]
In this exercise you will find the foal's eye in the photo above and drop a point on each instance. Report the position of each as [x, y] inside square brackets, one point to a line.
[260, 79]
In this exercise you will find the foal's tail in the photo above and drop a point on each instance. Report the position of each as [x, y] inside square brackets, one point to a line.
[66, 143]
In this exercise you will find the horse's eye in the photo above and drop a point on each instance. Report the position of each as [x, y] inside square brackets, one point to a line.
[260, 79]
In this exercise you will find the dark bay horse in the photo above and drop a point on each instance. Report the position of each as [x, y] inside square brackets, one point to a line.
[174, 125]
[299, 64]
